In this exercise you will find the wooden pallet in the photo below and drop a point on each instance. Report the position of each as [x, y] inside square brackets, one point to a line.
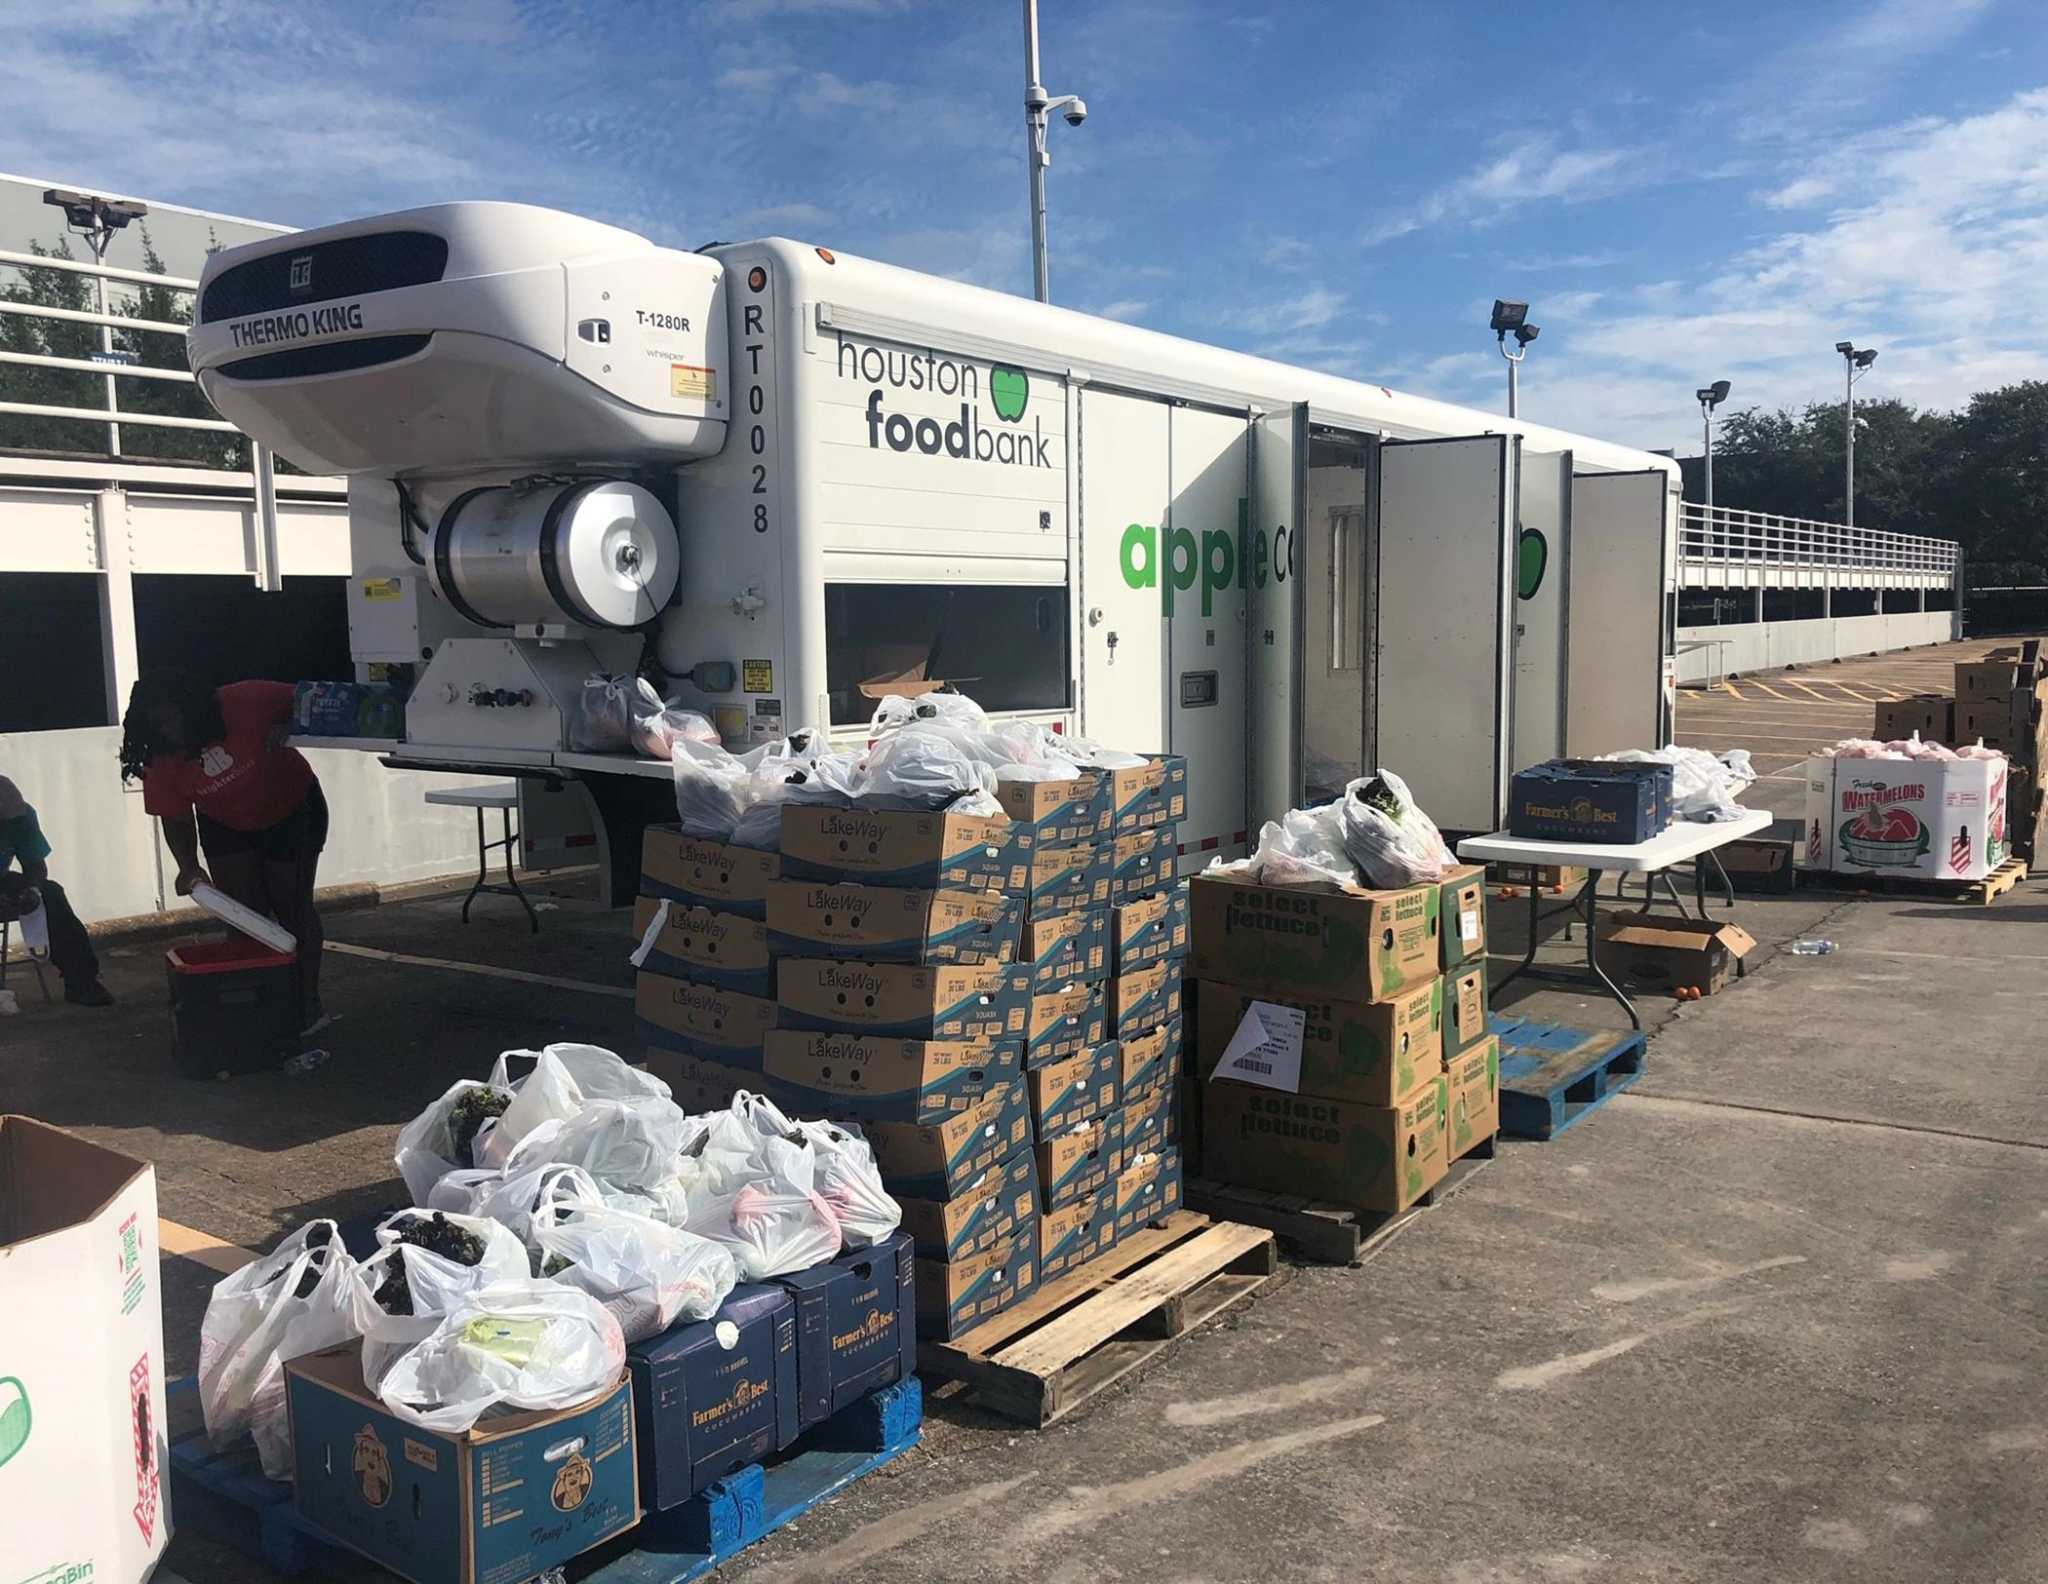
[1965, 893]
[1046, 1356]
[1331, 1234]
[1552, 1076]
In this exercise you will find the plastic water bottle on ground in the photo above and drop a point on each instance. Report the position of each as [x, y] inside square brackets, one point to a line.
[1811, 948]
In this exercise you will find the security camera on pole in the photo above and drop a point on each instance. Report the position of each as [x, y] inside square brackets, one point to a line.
[1038, 107]
[1710, 397]
[1856, 363]
[97, 219]
[1511, 318]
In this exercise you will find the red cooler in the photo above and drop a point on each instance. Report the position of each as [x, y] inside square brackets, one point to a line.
[234, 1006]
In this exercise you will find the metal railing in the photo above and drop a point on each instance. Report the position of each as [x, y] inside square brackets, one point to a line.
[113, 369]
[1795, 550]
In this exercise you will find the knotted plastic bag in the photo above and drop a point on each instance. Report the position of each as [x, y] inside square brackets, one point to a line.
[1388, 837]
[602, 718]
[647, 1274]
[848, 1180]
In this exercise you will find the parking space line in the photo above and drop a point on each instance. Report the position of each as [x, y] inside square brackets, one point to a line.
[486, 970]
[1774, 693]
[202, 1248]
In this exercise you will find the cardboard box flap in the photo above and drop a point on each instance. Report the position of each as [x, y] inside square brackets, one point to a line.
[51, 1179]
[1643, 929]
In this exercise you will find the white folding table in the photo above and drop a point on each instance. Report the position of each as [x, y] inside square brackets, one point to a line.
[504, 797]
[1674, 844]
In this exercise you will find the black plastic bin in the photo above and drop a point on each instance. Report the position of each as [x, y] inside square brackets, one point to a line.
[234, 1006]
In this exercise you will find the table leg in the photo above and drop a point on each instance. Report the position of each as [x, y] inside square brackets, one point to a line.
[1699, 886]
[483, 864]
[512, 879]
[1535, 925]
[1591, 902]
[1721, 873]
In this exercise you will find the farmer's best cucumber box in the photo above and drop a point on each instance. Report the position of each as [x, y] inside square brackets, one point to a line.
[1314, 940]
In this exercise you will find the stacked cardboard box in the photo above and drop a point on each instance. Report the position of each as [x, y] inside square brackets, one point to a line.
[1341, 1036]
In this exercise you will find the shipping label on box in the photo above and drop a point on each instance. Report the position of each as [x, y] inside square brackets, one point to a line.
[810, 918]
[1669, 952]
[84, 1483]
[512, 1497]
[1315, 940]
[1150, 930]
[954, 1296]
[1154, 793]
[875, 1078]
[936, 1160]
[1462, 914]
[1080, 1159]
[1075, 1233]
[1059, 813]
[698, 1085]
[706, 873]
[1064, 879]
[1370, 1052]
[1000, 1203]
[1151, 1060]
[1466, 996]
[1070, 949]
[1144, 862]
[702, 945]
[898, 847]
[980, 1004]
[1372, 1157]
[1474, 1095]
[1151, 1124]
[702, 1020]
[1147, 1190]
[1062, 1022]
[1943, 820]
[1933, 716]
[856, 1326]
[1144, 999]
[1074, 1088]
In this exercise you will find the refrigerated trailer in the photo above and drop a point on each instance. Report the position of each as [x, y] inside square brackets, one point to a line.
[776, 478]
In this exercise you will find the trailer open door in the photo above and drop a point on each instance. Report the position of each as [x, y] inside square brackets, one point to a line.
[1273, 619]
[1619, 613]
[1443, 594]
[1542, 626]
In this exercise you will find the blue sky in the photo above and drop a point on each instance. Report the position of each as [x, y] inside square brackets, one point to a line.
[1682, 192]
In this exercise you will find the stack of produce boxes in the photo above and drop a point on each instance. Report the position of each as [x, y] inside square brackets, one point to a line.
[1341, 1036]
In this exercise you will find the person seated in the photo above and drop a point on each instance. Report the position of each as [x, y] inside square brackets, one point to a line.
[22, 842]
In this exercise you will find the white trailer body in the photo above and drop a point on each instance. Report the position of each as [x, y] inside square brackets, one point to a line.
[1285, 576]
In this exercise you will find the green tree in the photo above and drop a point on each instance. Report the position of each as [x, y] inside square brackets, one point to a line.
[1993, 485]
[162, 349]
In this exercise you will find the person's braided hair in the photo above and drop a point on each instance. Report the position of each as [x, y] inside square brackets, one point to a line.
[198, 708]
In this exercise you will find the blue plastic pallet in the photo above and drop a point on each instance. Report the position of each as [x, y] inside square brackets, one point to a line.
[1552, 1076]
[225, 1496]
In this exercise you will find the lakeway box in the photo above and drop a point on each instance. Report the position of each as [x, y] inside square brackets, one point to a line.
[816, 918]
[856, 1326]
[936, 1160]
[1151, 1060]
[696, 1084]
[516, 1495]
[1072, 948]
[1461, 908]
[700, 944]
[1064, 1021]
[1144, 861]
[1147, 1190]
[900, 847]
[1150, 930]
[1942, 820]
[84, 1493]
[712, 1396]
[954, 1296]
[876, 1078]
[1315, 940]
[1144, 999]
[1063, 879]
[1371, 1157]
[1154, 793]
[1466, 994]
[1670, 952]
[1079, 1159]
[1075, 1233]
[702, 1020]
[1474, 1096]
[1369, 1052]
[978, 1004]
[1151, 1123]
[1932, 715]
[706, 873]
[1074, 1088]
[1059, 813]
[1000, 1203]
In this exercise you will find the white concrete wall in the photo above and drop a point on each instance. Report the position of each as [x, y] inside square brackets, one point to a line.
[1759, 646]
[108, 854]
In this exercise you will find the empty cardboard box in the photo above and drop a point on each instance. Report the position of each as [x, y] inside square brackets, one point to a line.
[1672, 953]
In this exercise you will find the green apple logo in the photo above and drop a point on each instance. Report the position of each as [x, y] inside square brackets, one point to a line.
[1532, 559]
[1009, 388]
[15, 1418]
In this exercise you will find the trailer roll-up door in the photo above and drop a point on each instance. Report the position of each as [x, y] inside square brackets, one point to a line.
[1541, 611]
[1274, 662]
[1443, 593]
[1621, 635]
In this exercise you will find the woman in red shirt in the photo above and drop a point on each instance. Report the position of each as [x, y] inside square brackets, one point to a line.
[215, 770]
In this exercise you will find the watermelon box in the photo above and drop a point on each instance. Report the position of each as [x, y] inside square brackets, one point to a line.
[1928, 818]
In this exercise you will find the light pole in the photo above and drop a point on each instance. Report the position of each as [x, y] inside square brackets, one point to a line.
[1855, 364]
[97, 219]
[1038, 108]
[1710, 397]
[1511, 318]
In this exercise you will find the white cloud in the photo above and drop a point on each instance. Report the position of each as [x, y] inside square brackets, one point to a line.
[1800, 193]
[1531, 168]
[1288, 253]
[1306, 310]
[1127, 310]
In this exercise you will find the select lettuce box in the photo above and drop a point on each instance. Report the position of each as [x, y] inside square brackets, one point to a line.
[1071, 948]
[1063, 879]
[818, 918]
[1074, 1088]
[1154, 793]
[1059, 813]
[1371, 1052]
[1000, 1203]
[515, 1495]
[706, 873]
[1151, 1060]
[1063, 1021]
[1151, 1124]
[1143, 861]
[896, 847]
[936, 1160]
[1474, 1096]
[706, 946]
[856, 1326]
[1152, 929]
[1074, 1234]
[954, 1296]
[977, 1004]
[1466, 996]
[1461, 907]
[696, 1084]
[873, 1077]
[1148, 1189]
[1144, 999]
[1079, 1159]
[1372, 1157]
[719, 1025]
[1314, 939]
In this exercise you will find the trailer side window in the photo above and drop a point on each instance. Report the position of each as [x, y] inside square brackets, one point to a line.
[51, 659]
[1003, 645]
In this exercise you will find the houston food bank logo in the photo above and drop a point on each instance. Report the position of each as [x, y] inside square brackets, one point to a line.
[965, 435]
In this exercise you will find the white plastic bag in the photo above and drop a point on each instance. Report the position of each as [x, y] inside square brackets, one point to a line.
[432, 1144]
[524, 1343]
[602, 719]
[709, 784]
[507, 1197]
[647, 1274]
[850, 1183]
[775, 1222]
[296, 1300]
[780, 781]
[1707, 787]
[1302, 847]
[634, 1144]
[565, 1077]
[655, 736]
[434, 1284]
[1389, 838]
[920, 767]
